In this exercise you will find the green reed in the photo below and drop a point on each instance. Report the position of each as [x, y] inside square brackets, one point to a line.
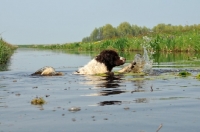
[6, 51]
[177, 42]
[187, 41]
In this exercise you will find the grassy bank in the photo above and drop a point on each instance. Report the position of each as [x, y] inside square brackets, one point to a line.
[6, 50]
[187, 40]
[162, 42]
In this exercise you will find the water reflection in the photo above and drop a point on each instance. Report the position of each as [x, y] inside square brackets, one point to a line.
[110, 82]
[40, 107]
[103, 81]
[141, 100]
[107, 85]
[4, 67]
[110, 103]
[139, 83]
[2, 104]
[116, 102]
[113, 85]
[110, 92]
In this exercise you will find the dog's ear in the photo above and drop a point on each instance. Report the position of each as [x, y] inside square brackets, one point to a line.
[110, 56]
[104, 56]
[99, 58]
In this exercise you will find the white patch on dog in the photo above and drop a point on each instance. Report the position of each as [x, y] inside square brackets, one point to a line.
[103, 63]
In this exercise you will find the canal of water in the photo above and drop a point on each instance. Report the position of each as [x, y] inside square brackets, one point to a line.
[150, 103]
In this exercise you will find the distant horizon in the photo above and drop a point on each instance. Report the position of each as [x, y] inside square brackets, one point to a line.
[91, 31]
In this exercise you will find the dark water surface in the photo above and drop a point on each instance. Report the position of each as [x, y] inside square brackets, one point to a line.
[122, 103]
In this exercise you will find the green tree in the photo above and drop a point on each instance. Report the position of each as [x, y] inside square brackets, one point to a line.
[108, 31]
[97, 34]
[160, 27]
[94, 35]
[145, 30]
[86, 39]
[136, 30]
[124, 29]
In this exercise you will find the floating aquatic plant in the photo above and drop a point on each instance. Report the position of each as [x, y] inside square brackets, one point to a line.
[198, 76]
[102, 74]
[184, 74]
[192, 58]
[38, 101]
[134, 74]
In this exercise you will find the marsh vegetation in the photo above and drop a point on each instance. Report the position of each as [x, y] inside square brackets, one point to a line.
[162, 38]
[6, 50]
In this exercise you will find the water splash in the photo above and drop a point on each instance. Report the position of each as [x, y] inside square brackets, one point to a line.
[147, 68]
[141, 63]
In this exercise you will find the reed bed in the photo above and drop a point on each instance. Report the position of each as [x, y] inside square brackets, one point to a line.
[187, 41]
[6, 50]
[169, 39]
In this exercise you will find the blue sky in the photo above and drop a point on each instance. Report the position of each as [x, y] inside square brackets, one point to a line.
[63, 21]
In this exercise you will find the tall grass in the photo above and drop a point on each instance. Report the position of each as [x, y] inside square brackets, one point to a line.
[6, 50]
[120, 44]
[187, 41]
[184, 42]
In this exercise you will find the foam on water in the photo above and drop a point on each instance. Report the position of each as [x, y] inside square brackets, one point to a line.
[141, 63]
[147, 68]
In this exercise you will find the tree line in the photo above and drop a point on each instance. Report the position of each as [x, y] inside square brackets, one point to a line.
[125, 29]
